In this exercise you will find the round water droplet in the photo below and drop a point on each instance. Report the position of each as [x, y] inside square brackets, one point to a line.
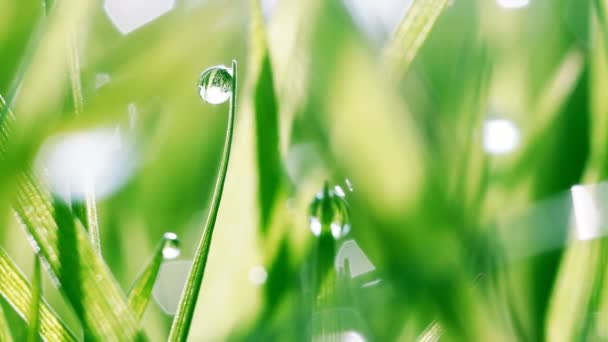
[215, 84]
[329, 214]
[171, 246]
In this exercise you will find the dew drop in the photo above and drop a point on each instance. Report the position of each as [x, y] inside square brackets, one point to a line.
[215, 84]
[171, 246]
[329, 213]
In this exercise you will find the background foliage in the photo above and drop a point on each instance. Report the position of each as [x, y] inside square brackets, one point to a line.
[467, 245]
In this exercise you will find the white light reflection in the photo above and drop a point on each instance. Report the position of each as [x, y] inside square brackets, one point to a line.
[101, 80]
[73, 164]
[258, 275]
[587, 214]
[268, 8]
[377, 19]
[500, 136]
[315, 226]
[342, 336]
[513, 3]
[339, 191]
[129, 15]
[170, 283]
[302, 160]
[358, 262]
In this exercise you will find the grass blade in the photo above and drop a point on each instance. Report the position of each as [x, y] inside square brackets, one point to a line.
[411, 34]
[139, 295]
[92, 222]
[34, 318]
[185, 311]
[17, 292]
[266, 123]
[5, 332]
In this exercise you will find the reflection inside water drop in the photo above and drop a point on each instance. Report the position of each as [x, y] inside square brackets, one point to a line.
[171, 246]
[215, 84]
[329, 213]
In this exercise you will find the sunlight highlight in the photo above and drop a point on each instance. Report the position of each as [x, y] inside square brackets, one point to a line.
[500, 136]
[129, 15]
[513, 3]
[587, 214]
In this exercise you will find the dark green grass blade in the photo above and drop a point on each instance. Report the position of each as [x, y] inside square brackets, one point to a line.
[266, 124]
[140, 292]
[185, 311]
[5, 331]
[411, 34]
[85, 279]
[33, 334]
[17, 293]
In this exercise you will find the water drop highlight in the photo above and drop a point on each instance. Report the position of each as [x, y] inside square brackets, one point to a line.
[215, 84]
[171, 246]
[329, 214]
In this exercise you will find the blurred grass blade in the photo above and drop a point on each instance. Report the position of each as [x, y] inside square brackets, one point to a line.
[266, 122]
[91, 220]
[17, 292]
[185, 311]
[33, 334]
[411, 34]
[600, 11]
[139, 295]
[5, 331]
[85, 279]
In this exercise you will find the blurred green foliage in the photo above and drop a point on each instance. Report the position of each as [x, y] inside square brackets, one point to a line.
[465, 244]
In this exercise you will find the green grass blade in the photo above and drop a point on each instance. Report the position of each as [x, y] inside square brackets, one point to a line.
[411, 34]
[5, 331]
[17, 292]
[92, 222]
[34, 317]
[266, 122]
[185, 311]
[139, 295]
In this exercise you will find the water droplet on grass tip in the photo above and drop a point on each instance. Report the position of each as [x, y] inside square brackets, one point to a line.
[171, 246]
[215, 84]
[329, 214]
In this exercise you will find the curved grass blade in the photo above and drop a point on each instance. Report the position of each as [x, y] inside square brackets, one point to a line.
[140, 292]
[17, 292]
[185, 311]
[34, 318]
[411, 34]
[5, 332]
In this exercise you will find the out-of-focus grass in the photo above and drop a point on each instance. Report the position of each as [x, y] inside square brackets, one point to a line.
[427, 198]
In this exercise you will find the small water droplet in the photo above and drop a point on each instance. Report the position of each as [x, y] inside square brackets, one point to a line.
[329, 213]
[171, 246]
[215, 84]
